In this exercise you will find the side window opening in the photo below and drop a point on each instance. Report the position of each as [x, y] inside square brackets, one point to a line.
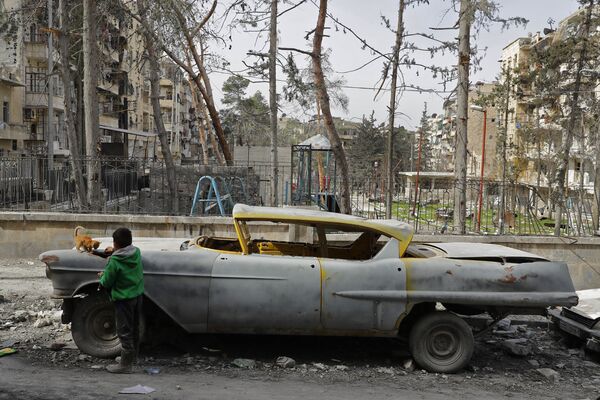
[301, 240]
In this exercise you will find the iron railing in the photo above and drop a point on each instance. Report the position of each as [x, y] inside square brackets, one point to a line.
[140, 186]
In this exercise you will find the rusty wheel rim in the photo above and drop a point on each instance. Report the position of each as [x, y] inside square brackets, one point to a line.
[101, 324]
[444, 345]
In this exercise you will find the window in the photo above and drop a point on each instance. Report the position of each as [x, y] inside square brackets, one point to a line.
[14, 145]
[35, 80]
[28, 114]
[5, 112]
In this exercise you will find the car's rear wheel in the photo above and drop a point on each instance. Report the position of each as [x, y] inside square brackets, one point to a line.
[93, 326]
[441, 342]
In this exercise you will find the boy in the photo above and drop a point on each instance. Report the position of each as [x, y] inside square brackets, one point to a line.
[123, 276]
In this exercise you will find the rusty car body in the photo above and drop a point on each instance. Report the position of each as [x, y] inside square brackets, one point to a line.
[369, 281]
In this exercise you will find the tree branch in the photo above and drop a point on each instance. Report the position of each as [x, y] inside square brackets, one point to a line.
[308, 53]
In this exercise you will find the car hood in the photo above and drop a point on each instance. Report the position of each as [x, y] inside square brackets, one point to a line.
[485, 251]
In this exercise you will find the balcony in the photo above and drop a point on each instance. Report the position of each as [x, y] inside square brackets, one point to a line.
[35, 51]
[13, 131]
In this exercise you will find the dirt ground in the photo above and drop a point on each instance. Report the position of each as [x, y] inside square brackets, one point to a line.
[49, 366]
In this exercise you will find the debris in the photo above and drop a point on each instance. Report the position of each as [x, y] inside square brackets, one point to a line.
[8, 343]
[83, 357]
[57, 346]
[211, 350]
[409, 365]
[178, 387]
[152, 370]
[20, 316]
[503, 325]
[534, 363]
[36, 347]
[549, 374]
[384, 370]
[341, 367]
[6, 351]
[285, 362]
[517, 347]
[560, 365]
[97, 367]
[56, 316]
[336, 360]
[319, 366]
[137, 389]
[30, 263]
[2, 299]
[42, 322]
[521, 328]
[244, 363]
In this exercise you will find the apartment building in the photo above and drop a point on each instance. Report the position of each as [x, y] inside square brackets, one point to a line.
[125, 113]
[443, 135]
[12, 130]
[533, 131]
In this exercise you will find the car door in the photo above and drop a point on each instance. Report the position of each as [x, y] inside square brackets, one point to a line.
[363, 296]
[261, 293]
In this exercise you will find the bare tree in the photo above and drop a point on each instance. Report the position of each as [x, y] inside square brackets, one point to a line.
[154, 69]
[574, 118]
[273, 102]
[323, 99]
[69, 107]
[392, 112]
[462, 112]
[90, 101]
[185, 29]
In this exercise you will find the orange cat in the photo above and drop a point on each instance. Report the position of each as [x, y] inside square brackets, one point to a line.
[84, 241]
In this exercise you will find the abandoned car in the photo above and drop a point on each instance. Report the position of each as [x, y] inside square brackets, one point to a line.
[335, 275]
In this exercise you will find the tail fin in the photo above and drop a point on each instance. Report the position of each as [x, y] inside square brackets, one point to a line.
[77, 230]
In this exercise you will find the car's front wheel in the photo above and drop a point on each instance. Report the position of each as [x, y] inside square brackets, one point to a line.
[93, 326]
[441, 342]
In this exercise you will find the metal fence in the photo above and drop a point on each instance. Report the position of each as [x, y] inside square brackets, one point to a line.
[140, 186]
[430, 209]
[135, 186]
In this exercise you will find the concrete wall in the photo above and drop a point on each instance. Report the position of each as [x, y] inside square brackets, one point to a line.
[29, 234]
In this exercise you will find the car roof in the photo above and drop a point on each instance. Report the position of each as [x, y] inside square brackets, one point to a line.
[393, 228]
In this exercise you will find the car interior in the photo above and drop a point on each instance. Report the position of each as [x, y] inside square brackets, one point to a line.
[364, 247]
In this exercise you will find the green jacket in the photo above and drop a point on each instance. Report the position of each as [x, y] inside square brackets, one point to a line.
[124, 274]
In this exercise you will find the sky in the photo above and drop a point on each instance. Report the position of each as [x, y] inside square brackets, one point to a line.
[364, 17]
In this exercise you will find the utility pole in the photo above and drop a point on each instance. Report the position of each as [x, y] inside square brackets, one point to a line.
[50, 84]
[462, 114]
[392, 110]
[273, 103]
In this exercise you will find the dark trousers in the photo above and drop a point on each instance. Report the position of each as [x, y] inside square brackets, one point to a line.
[127, 315]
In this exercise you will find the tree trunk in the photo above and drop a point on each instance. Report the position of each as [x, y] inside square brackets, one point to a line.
[200, 121]
[206, 92]
[596, 199]
[209, 133]
[70, 113]
[273, 103]
[90, 102]
[502, 210]
[154, 69]
[323, 96]
[462, 106]
[392, 113]
[567, 141]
